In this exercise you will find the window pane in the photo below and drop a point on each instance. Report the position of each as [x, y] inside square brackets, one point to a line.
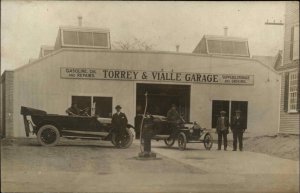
[228, 47]
[83, 102]
[70, 37]
[101, 39]
[241, 48]
[103, 106]
[214, 46]
[85, 38]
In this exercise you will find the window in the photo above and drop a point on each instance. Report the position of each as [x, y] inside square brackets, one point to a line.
[85, 39]
[226, 47]
[70, 37]
[100, 39]
[295, 42]
[230, 107]
[96, 106]
[293, 92]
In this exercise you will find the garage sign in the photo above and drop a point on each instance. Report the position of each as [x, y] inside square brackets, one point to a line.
[156, 76]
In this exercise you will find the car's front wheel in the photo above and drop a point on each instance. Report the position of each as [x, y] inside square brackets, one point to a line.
[48, 135]
[125, 141]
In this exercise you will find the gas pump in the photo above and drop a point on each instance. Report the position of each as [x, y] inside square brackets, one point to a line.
[146, 133]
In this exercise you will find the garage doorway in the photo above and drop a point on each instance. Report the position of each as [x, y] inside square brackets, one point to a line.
[161, 97]
[230, 107]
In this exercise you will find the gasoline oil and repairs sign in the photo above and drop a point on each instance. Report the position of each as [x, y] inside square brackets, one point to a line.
[156, 76]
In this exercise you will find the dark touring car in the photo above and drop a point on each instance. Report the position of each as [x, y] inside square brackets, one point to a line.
[159, 128]
[49, 128]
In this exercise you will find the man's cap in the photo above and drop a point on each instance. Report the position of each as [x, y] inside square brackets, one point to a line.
[223, 112]
[173, 105]
[238, 111]
[118, 107]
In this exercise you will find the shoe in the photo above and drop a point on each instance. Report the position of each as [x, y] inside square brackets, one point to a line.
[219, 149]
[225, 149]
[234, 150]
[241, 149]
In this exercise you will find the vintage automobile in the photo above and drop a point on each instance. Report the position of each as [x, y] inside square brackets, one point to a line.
[49, 128]
[184, 132]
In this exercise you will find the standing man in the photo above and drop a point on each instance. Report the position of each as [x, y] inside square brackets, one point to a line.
[238, 127]
[173, 115]
[119, 122]
[222, 129]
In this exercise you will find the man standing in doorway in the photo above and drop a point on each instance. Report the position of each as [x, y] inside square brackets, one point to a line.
[119, 122]
[222, 129]
[173, 115]
[238, 127]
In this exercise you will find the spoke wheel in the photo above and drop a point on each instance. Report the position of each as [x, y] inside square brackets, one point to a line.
[208, 141]
[169, 142]
[48, 135]
[125, 141]
[182, 141]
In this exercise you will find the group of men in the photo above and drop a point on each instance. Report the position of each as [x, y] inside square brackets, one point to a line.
[237, 125]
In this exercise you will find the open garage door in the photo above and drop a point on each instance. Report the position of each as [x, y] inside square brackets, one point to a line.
[161, 97]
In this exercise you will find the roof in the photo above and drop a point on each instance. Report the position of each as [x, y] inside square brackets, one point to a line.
[229, 38]
[80, 28]
[145, 52]
[268, 60]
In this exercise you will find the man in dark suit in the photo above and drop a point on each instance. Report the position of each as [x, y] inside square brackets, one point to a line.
[222, 129]
[119, 122]
[238, 127]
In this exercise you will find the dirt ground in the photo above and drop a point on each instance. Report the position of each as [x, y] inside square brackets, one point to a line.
[283, 146]
[96, 166]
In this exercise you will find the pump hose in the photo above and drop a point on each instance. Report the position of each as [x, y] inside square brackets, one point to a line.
[142, 122]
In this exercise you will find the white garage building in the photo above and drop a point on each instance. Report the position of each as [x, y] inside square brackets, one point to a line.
[81, 68]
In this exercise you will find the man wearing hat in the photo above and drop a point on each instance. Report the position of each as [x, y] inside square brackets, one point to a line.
[119, 122]
[222, 129]
[73, 110]
[238, 127]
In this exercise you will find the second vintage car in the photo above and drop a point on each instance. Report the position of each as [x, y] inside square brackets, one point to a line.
[184, 132]
[49, 128]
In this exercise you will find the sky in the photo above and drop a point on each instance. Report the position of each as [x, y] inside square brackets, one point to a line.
[26, 25]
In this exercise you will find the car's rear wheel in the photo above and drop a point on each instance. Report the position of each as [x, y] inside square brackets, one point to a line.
[169, 142]
[125, 141]
[48, 135]
[182, 141]
[208, 141]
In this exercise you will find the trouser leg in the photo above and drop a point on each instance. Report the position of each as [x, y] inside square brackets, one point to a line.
[234, 140]
[240, 137]
[219, 140]
[225, 139]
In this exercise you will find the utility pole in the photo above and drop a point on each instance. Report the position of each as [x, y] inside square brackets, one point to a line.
[274, 23]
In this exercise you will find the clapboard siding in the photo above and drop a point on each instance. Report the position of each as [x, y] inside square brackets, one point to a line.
[291, 19]
[8, 87]
[289, 122]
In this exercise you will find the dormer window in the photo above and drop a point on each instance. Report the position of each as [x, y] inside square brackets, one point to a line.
[84, 37]
[223, 45]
